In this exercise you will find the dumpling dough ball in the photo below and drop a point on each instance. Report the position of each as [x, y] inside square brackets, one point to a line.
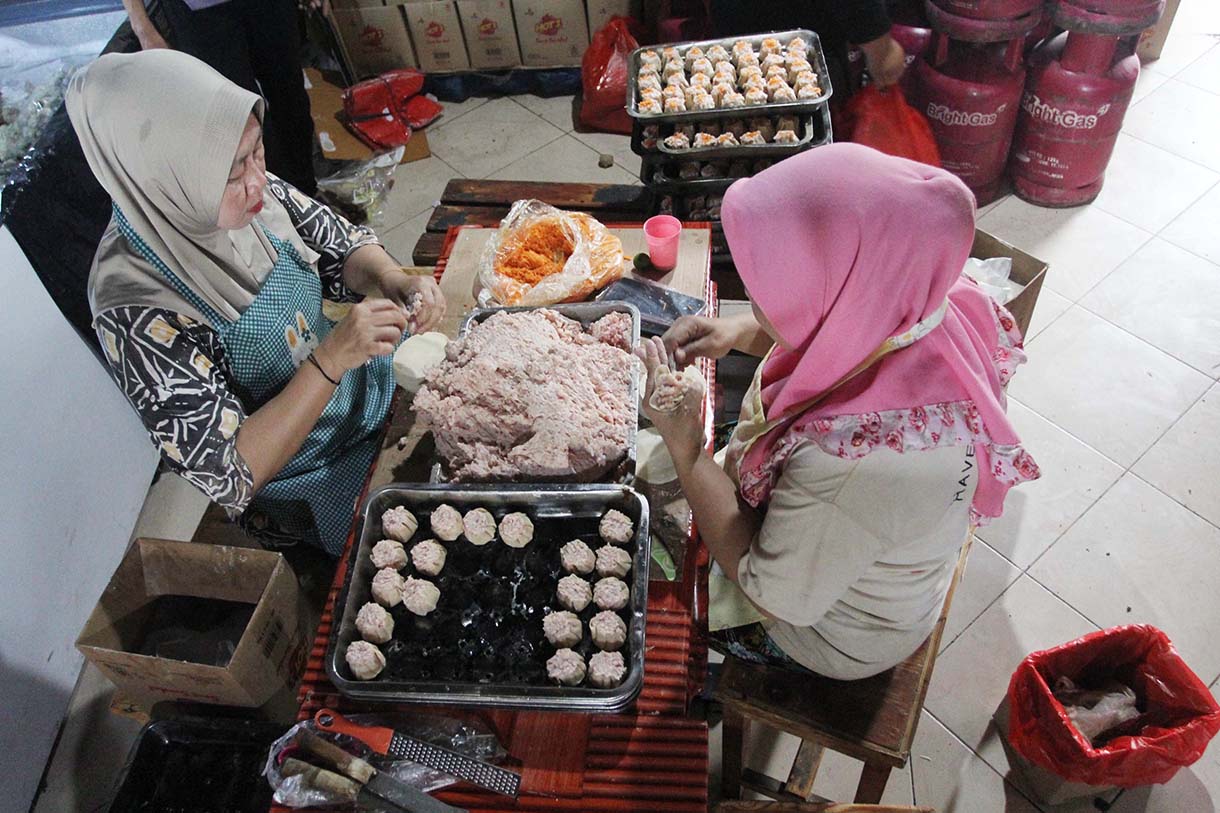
[562, 629]
[608, 630]
[420, 596]
[606, 669]
[374, 623]
[516, 530]
[566, 666]
[616, 527]
[612, 561]
[447, 523]
[388, 586]
[399, 523]
[577, 557]
[611, 593]
[480, 526]
[574, 593]
[389, 553]
[428, 557]
[366, 660]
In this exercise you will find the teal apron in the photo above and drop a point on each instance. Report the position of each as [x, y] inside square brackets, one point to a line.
[314, 496]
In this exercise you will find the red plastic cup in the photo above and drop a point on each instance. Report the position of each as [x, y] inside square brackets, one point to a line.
[661, 233]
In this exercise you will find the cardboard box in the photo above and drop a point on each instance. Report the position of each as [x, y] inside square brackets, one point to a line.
[1152, 40]
[437, 33]
[1028, 270]
[491, 35]
[268, 657]
[552, 33]
[600, 11]
[374, 39]
[1040, 783]
[352, 4]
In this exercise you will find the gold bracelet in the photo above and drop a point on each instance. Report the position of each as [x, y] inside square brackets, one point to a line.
[315, 363]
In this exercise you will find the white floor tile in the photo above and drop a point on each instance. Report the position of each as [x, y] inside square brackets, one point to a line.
[952, 779]
[1082, 245]
[1150, 79]
[555, 109]
[563, 160]
[490, 137]
[1049, 308]
[1138, 557]
[988, 207]
[1204, 72]
[1194, 788]
[400, 240]
[988, 574]
[1180, 118]
[1168, 297]
[971, 677]
[417, 187]
[617, 145]
[1074, 476]
[1186, 43]
[1195, 229]
[1096, 381]
[839, 775]
[1148, 186]
[1184, 463]
[455, 109]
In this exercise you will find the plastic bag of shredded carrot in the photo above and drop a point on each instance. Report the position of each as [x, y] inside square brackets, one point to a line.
[541, 255]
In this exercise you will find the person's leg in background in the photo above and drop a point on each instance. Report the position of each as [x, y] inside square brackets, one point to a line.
[273, 34]
[215, 35]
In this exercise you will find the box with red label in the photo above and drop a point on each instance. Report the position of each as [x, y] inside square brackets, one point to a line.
[600, 12]
[437, 33]
[375, 39]
[552, 33]
[491, 36]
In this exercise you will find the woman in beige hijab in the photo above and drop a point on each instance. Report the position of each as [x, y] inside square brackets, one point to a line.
[207, 294]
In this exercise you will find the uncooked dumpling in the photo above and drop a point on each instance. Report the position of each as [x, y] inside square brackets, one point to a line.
[567, 667]
[608, 630]
[616, 527]
[416, 356]
[389, 553]
[420, 596]
[611, 593]
[606, 669]
[577, 557]
[374, 623]
[366, 660]
[516, 530]
[562, 629]
[613, 561]
[388, 586]
[399, 523]
[574, 593]
[480, 526]
[447, 523]
[428, 557]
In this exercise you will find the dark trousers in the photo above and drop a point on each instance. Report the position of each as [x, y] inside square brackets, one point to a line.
[257, 44]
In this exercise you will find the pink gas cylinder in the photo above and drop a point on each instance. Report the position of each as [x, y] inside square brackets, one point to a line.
[970, 92]
[992, 20]
[1114, 17]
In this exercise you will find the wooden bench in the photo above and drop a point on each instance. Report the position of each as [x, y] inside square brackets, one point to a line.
[872, 720]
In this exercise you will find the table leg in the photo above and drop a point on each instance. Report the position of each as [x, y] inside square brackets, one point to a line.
[731, 756]
[872, 783]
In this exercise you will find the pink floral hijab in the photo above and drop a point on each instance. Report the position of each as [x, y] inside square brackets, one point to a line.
[855, 258]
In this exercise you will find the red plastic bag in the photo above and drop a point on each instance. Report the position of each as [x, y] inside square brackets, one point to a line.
[883, 120]
[603, 74]
[384, 110]
[1179, 718]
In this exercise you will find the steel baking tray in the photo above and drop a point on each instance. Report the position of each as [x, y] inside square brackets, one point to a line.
[586, 313]
[809, 129]
[816, 58]
[657, 174]
[462, 655]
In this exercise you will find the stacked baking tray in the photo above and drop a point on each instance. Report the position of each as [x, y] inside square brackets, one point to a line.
[688, 182]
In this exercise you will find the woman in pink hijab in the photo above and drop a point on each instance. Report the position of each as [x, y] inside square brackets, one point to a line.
[874, 436]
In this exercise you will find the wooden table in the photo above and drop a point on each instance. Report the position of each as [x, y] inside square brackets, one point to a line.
[654, 756]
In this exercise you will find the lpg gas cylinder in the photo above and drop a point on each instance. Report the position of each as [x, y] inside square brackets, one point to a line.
[984, 20]
[970, 92]
[1071, 113]
[1113, 17]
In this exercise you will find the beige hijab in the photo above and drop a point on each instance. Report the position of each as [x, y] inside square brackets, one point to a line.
[160, 130]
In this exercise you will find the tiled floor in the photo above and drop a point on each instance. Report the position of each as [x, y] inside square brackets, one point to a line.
[1120, 404]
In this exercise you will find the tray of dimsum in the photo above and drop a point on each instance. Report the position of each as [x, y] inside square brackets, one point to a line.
[698, 207]
[666, 174]
[514, 596]
[760, 136]
[766, 74]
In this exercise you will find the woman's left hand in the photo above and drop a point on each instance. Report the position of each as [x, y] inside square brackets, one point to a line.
[681, 428]
[400, 287]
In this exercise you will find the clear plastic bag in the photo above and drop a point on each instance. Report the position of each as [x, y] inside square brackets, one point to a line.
[541, 256]
[992, 275]
[468, 738]
[364, 184]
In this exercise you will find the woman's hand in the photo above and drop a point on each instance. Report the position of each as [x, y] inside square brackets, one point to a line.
[371, 328]
[681, 428]
[691, 337]
[886, 60]
[401, 288]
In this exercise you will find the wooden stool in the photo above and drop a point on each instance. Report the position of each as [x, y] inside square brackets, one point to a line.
[872, 720]
[814, 807]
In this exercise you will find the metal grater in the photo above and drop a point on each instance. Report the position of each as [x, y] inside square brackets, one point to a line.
[432, 756]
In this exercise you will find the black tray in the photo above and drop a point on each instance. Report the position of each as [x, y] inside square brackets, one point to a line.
[198, 766]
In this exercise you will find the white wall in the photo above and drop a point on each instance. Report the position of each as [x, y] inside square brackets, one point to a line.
[75, 465]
